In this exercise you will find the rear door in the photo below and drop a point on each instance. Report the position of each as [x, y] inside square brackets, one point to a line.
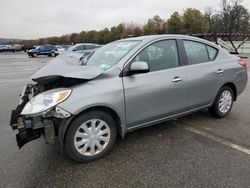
[159, 93]
[45, 50]
[204, 73]
[48, 50]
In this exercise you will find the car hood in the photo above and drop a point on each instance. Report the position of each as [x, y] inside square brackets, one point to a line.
[66, 67]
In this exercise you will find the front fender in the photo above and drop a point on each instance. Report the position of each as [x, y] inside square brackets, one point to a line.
[63, 129]
[103, 92]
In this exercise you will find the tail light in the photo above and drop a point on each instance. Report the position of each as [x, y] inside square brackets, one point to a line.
[243, 63]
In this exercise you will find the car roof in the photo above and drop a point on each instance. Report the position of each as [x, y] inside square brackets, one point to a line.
[78, 44]
[148, 38]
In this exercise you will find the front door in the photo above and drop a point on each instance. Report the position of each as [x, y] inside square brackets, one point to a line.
[159, 93]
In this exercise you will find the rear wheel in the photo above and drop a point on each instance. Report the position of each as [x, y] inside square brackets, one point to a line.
[53, 54]
[223, 102]
[90, 136]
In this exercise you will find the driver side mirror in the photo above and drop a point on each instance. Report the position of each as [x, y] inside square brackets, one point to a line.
[138, 67]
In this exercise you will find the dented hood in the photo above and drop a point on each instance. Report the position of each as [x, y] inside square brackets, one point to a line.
[67, 67]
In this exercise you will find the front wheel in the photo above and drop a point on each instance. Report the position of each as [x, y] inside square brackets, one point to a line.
[223, 102]
[90, 136]
[34, 54]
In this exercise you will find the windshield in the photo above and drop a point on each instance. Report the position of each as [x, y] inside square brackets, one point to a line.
[110, 54]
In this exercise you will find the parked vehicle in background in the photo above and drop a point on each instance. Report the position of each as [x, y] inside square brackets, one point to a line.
[60, 49]
[77, 50]
[66, 47]
[44, 50]
[27, 47]
[2, 48]
[85, 55]
[10, 48]
[17, 47]
[147, 80]
[82, 47]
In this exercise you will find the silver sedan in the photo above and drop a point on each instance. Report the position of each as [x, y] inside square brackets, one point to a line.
[126, 85]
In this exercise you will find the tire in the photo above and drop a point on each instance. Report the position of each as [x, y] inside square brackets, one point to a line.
[34, 55]
[217, 109]
[80, 148]
[53, 54]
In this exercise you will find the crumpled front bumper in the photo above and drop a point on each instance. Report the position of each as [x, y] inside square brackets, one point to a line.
[24, 134]
[30, 128]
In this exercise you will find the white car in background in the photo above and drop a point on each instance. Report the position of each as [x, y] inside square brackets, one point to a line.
[79, 49]
[82, 47]
[60, 49]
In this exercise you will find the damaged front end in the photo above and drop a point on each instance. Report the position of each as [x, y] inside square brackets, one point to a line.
[32, 123]
[37, 112]
[24, 127]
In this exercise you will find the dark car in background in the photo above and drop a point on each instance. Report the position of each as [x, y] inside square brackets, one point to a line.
[49, 50]
[27, 47]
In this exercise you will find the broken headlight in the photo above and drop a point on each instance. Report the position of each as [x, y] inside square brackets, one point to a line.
[45, 101]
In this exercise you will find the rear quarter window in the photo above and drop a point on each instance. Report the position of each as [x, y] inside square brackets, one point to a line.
[212, 53]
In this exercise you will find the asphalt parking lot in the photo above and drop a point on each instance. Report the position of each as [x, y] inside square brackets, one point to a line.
[193, 151]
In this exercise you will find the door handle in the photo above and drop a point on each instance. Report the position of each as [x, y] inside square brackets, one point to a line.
[220, 71]
[177, 79]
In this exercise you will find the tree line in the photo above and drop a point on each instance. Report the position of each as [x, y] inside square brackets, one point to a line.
[232, 17]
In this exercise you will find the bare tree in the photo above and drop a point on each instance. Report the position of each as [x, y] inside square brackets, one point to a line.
[208, 15]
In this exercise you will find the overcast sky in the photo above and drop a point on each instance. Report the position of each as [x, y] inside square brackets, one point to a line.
[28, 19]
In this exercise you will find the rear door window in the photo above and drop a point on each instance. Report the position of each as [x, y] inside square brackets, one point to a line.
[48, 47]
[196, 52]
